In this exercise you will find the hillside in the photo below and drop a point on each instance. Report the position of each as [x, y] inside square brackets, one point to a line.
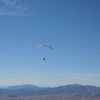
[74, 90]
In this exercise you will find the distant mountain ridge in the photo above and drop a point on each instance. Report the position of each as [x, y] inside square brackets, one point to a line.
[21, 86]
[32, 90]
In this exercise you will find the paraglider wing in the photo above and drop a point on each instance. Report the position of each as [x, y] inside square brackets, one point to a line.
[44, 45]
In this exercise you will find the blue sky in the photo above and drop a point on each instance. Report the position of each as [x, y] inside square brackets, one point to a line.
[71, 27]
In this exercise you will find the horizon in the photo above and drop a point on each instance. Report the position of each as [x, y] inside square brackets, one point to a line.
[45, 86]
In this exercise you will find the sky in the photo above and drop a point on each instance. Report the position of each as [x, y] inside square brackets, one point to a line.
[70, 27]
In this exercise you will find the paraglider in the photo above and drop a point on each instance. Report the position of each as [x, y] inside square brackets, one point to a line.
[44, 45]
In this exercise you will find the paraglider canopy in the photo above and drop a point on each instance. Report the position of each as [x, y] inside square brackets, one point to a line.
[44, 45]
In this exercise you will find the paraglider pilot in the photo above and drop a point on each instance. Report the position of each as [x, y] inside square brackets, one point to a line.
[43, 58]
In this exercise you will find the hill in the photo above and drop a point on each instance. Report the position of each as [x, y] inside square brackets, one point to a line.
[74, 90]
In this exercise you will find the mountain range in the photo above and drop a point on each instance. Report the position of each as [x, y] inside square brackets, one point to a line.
[32, 90]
